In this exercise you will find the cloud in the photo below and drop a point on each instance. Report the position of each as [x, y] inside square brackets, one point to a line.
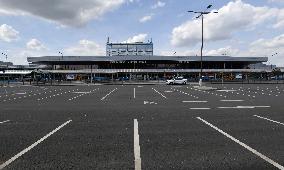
[146, 18]
[280, 20]
[8, 33]
[179, 53]
[278, 1]
[35, 44]
[266, 48]
[159, 4]
[85, 47]
[274, 43]
[136, 38]
[233, 17]
[64, 12]
[228, 51]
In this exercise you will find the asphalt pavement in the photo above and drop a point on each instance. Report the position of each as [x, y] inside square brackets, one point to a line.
[238, 126]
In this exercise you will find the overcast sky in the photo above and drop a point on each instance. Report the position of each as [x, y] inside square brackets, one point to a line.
[81, 27]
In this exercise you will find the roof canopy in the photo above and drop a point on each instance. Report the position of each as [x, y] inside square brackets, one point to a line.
[51, 59]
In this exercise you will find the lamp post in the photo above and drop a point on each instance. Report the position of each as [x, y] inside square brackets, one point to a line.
[6, 56]
[61, 54]
[273, 56]
[201, 14]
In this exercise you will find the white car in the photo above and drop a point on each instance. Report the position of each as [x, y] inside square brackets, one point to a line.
[177, 80]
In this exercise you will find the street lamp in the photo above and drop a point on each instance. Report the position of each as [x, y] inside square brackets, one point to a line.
[273, 56]
[5, 55]
[201, 14]
[61, 54]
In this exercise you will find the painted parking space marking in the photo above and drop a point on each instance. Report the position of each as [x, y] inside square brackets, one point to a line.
[268, 119]
[243, 145]
[226, 90]
[103, 98]
[4, 121]
[82, 94]
[150, 102]
[231, 100]
[244, 107]
[159, 93]
[200, 108]
[194, 101]
[137, 157]
[2, 166]
[134, 95]
[16, 96]
[185, 93]
[206, 91]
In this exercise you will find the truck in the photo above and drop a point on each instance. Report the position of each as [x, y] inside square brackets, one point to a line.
[176, 80]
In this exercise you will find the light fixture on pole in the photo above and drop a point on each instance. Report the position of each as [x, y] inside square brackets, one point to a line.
[61, 54]
[273, 56]
[5, 56]
[201, 14]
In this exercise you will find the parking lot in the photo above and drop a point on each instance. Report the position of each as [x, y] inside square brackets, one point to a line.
[152, 126]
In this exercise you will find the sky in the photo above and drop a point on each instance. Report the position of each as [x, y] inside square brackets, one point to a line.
[242, 28]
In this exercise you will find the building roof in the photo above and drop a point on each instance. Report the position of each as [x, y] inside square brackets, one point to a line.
[50, 59]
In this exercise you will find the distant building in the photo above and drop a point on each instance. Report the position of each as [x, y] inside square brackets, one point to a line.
[124, 49]
[5, 64]
[262, 66]
[137, 60]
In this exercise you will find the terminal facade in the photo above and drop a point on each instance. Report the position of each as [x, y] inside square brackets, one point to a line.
[136, 61]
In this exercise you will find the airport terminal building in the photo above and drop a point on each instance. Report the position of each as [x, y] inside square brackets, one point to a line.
[136, 61]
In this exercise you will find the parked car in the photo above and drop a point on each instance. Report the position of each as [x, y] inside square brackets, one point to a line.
[177, 80]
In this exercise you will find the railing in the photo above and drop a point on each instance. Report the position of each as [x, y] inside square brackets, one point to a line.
[112, 71]
[16, 72]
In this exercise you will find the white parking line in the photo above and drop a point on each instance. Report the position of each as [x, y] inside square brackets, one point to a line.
[5, 121]
[159, 93]
[32, 146]
[269, 119]
[136, 146]
[226, 90]
[108, 94]
[134, 96]
[200, 108]
[243, 107]
[231, 100]
[194, 101]
[243, 145]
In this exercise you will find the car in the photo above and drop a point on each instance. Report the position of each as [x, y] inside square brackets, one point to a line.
[177, 80]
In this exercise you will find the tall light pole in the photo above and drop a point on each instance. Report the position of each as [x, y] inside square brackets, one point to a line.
[201, 14]
[6, 56]
[273, 56]
[61, 54]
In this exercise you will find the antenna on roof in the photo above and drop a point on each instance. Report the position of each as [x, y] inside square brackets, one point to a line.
[151, 40]
[107, 39]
